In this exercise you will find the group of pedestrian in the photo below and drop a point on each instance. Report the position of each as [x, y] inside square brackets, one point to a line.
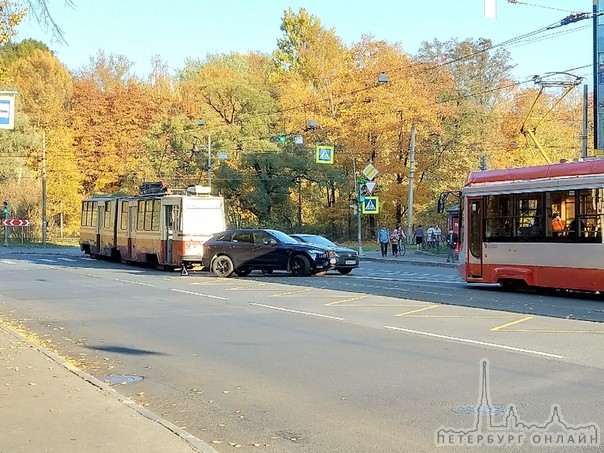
[430, 238]
[394, 238]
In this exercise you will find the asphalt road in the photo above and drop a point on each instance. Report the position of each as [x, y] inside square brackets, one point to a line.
[376, 361]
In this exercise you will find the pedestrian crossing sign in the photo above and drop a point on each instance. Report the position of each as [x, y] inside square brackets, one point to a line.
[324, 154]
[371, 205]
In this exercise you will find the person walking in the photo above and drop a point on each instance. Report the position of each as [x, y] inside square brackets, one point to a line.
[383, 237]
[395, 238]
[437, 237]
[419, 236]
[402, 241]
[430, 236]
[451, 245]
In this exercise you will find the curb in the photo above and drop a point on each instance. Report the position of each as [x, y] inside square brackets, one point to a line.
[195, 443]
[403, 260]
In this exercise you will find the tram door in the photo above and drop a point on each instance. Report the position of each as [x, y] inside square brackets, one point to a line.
[474, 210]
[100, 222]
[169, 232]
[132, 219]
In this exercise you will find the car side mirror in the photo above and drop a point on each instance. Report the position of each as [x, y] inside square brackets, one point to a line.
[270, 242]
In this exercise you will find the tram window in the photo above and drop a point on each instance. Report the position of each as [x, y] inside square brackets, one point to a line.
[124, 217]
[155, 215]
[589, 214]
[498, 217]
[107, 215]
[140, 224]
[93, 213]
[529, 215]
[148, 214]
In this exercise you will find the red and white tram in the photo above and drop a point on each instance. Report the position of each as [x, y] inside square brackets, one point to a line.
[509, 235]
[159, 228]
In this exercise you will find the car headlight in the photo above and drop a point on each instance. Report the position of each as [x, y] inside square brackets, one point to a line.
[317, 254]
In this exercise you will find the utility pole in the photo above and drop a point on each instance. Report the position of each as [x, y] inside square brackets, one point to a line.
[411, 181]
[584, 133]
[43, 187]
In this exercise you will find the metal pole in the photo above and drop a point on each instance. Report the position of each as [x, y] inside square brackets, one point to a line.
[584, 134]
[5, 230]
[61, 219]
[43, 188]
[358, 194]
[210, 162]
[411, 181]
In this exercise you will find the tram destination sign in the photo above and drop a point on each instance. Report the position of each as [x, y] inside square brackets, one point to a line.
[15, 222]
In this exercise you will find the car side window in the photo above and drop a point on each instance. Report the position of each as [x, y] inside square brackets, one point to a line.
[242, 236]
[260, 237]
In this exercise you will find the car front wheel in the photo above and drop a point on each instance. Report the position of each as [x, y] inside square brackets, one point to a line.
[223, 266]
[300, 266]
[344, 271]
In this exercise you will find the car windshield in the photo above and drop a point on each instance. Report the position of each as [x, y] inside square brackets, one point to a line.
[313, 239]
[282, 237]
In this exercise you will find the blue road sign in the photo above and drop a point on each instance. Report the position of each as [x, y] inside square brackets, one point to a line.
[370, 205]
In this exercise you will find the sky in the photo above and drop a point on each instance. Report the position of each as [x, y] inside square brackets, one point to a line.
[176, 30]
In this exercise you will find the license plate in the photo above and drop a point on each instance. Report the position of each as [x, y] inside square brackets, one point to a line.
[350, 262]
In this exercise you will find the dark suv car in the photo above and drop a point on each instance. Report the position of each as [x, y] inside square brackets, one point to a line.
[244, 250]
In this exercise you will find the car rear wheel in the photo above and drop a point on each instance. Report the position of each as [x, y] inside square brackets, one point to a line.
[243, 272]
[223, 266]
[300, 266]
[344, 271]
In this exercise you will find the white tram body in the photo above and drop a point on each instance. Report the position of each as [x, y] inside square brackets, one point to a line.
[161, 229]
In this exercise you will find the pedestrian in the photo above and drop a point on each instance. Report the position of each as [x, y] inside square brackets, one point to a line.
[402, 241]
[451, 245]
[395, 238]
[383, 237]
[419, 236]
[430, 236]
[437, 237]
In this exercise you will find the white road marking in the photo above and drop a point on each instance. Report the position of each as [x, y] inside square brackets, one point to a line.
[133, 282]
[308, 313]
[476, 342]
[192, 293]
[66, 259]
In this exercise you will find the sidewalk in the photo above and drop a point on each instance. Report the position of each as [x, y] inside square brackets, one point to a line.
[47, 405]
[412, 256]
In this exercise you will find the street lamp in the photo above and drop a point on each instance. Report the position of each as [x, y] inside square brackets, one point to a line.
[201, 122]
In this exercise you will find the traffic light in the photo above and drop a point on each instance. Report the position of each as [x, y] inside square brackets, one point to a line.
[362, 192]
[5, 208]
[278, 139]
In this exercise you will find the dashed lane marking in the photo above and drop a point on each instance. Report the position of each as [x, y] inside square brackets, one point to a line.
[298, 312]
[133, 282]
[476, 342]
[192, 293]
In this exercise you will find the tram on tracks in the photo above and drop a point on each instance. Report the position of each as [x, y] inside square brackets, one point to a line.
[158, 227]
[537, 226]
